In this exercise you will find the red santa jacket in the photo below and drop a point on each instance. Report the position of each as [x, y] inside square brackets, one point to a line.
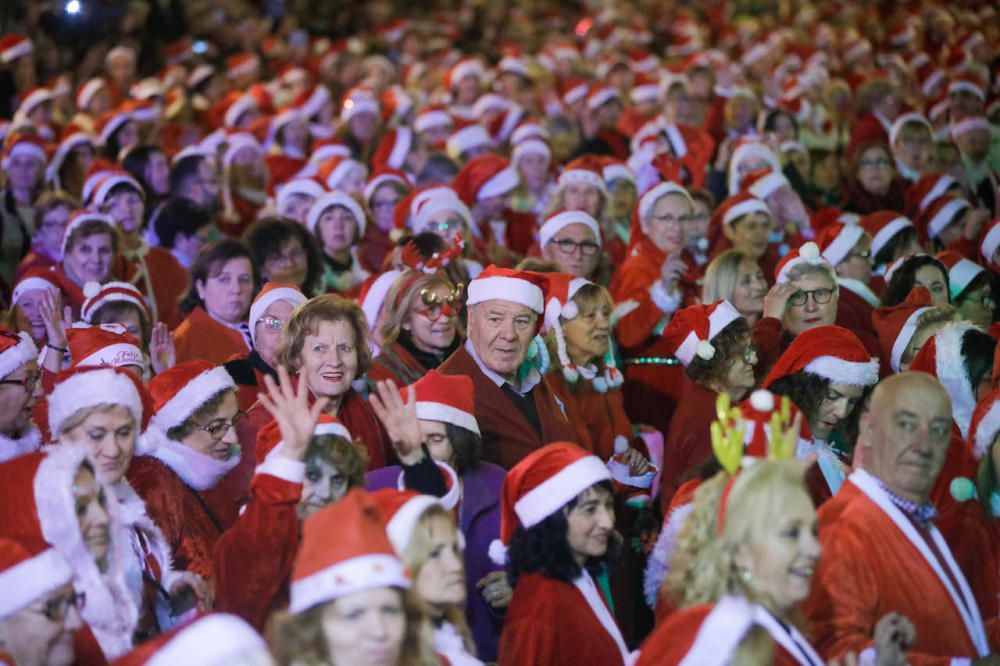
[876, 562]
[159, 276]
[708, 633]
[507, 436]
[855, 306]
[688, 443]
[201, 337]
[550, 623]
[974, 540]
[602, 415]
[397, 364]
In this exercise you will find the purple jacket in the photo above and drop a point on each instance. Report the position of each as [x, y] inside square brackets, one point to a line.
[479, 520]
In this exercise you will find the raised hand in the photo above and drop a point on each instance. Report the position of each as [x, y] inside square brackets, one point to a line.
[400, 420]
[51, 310]
[776, 300]
[162, 355]
[672, 270]
[290, 408]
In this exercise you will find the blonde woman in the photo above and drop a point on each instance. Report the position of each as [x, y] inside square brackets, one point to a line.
[745, 558]
[736, 277]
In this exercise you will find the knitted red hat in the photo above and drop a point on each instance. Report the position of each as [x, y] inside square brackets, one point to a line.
[401, 509]
[692, 329]
[103, 345]
[927, 188]
[216, 638]
[807, 254]
[344, 550]
[896, 324]
[541, 484]
[961, 271]
[507, 284]
[269, 443]
[271, 292]
[941, 356]
[883, 226]
[556, 223]
[99, 295]
[393, 149]
[484, 177]
[990, 241]
[445, 398]
[831, 352]
[985, 425]
[940, 214]
[82, 216]
[84, 386]
[16, 349]
[29, 570]
[178, 392]
[837, 239]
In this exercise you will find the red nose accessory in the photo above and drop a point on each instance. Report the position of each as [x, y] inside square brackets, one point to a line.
[447, 310]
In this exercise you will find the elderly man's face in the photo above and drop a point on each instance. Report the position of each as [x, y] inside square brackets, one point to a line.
[906, 433]
[501, 332]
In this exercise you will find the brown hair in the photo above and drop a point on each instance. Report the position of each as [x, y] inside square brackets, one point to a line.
[347, 457]
[114, 311]
[92, 228]
[210, 261]
[729, 343]
[49, 201]
[404, 296]
[180, 432]
[305, 321]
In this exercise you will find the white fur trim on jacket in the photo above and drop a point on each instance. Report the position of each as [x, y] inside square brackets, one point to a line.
[667, 301]
[197, 470]
[13, 448]
[660, 559]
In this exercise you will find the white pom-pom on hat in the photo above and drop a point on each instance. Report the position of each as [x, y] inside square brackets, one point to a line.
[762, 400]
[497, 552]
[809, 251]
[705, 350]
[91, 289]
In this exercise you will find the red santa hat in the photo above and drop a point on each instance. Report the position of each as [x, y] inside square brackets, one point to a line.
[692, 329]
[614, 169]
[542, 484]
[970, 124]
[72, 137]
[177, 393]
[940, 214]
[489, 103]
[373, 293]
[556, 223]
[756, 415]
[599, 96]
[14, 46]
[209, 640]
[110, 181]
[308, 187]
[401, 510]
[983, 428]
[103, 345]
[911, 117]
[79, 218]
[529, 129]
[649, 199]
[29, 570]
[807, 254]
[484, 177]
[84, 386]
[990, 240]
[99, 295]
[239, 64]
[31, 100]
[961, 271]
[831, 352]
[333, 171]
[336, 198]
[883, 226]
[344, 550]
[431, 117]
[507, 284]
[199, 75]
[837, 239]
[530, 147]
[559, 304]
[271, 292]
[392, 149]
[460, 70]
[750, 150]
[467, 138]
[739, 205]
[967, 82]
[16, 349]
[386, 175]
[23, 144]
[896, 324]
[941, 356]
[110, 122]
[573, 91]
[270, 444]
[762, 183]
[922, 193]
[585, 170]
[445, 398]
[358, 100]
[36, 279]
[930, 78]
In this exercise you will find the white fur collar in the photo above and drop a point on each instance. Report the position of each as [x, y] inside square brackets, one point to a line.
[197, 470]
[13, 448]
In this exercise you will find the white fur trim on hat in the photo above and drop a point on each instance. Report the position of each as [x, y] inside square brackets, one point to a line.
[422, 219]
[300, 186]
[431, 119]
[990, 243]
[944, 216]
[745, 208]
[966, 86]
[437, 411]
[808, 254]
[21, 48]
[335, 198]
[582, 176]
[33, 283]
[768, 185]
[575, 94]
[401, 147]
[193, 395]
[839, 371]
[941, 185]
[91, 305]
[107, 184]
[530, 147]
[372, 303]
[400, 527]
[29, 580]
[264, 301]
[237, 142]
[340, 172]
[89, 389]
[986, 431]
[613, 172]
[467, 138]
[601, 97]
[557, 223]
[16, 356]
[887, 232]
[358, 104]
[347, 577]
[969, 124]
[848, 237]
[962, 274]
[752, 149]
[904, 119]
[904, 337]
[649, 199]
[336, 429]
[27, 148]
[116, 356]
[79, 220]
[723, 315]
[214, 639]
[503, 288]
[555, 492]
[501, 183]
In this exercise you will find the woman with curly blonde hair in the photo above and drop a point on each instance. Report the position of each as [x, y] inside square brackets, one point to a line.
[743, 563]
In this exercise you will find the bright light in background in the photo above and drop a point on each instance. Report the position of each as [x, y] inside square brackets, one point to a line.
[72, 7]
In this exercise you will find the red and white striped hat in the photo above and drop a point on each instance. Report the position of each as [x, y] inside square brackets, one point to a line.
[99, 295]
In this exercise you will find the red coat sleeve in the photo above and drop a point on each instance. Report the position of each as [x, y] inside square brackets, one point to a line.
[767, 336]
[252, 561]
[641, 303]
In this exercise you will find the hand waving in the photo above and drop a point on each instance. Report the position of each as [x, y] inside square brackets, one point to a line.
[290, 408]
[54, 316]
[400, 420]
[162, 355]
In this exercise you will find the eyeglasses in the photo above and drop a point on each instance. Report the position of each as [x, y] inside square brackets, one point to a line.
[670, 219]
[819, 296]
[28, 382]
[57, 609]
[388, 203]
[218, 430]
[865, 254]
[880, 163]
[985, 300]
[749, 353]
[271, 322]
[569, 246]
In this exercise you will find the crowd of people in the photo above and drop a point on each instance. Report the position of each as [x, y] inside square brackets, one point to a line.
[555, 333]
